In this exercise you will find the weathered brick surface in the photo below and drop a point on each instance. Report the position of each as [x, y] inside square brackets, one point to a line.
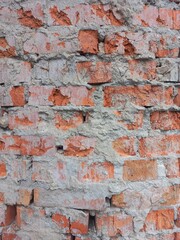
[89, 120]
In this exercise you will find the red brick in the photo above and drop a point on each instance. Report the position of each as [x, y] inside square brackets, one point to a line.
[3, 171]
[9, 216]
[26, 118]
[172, 168]
[96, 172]
[140, 170]
[147, 198]
[41, 43]
[62, 221]
[38, 95]
[146, 95]
[62, 171]
[9, 233]
[28, 145]
[90, 46]
[132, 121]
[95, 73]
[165, 17]
[147, 18]
[162, 46]
[159, 220]
[176, 19]
[177, 222]
[13, 96]
[17, 96]
[77, 224]
[152, 17]
[65, 124]
[26, 215]
[78, 96]
[170, 195]
[1, 197]
[165, 120]
[106, 15]
[7, 49]
[162, 237]
[20, 169]
[80, 14]
[69, 199]
[118, 200]
[165, 145]
[9, 73]
[119, 44]
[145, 70]
[79, 146]
[177, 236]
[40, 173]
[124, 146]
[8, 15]
[113, 224]
[60, 17]
[27, 19]
[177, 98]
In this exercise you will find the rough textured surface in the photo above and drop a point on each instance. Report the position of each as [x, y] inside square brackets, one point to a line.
[89, 120]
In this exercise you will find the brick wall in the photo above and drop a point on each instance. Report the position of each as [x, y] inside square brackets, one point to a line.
[89, 120]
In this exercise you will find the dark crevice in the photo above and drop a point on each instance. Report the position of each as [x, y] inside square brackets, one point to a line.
[73, 237]
[60, 148]
[84, 117]
[32, 197]
[108, 200]
[147, 106]
[171, 82]
[92, 223]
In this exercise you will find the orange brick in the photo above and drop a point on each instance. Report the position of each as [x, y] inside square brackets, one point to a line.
[27, 145]
[140, 170]
[118, 200]
[79, 146]
[165, 145]
[96, 172]
[124, 146]
[170, 195]
[63, 96]
[25, 196]
[96, 73]
[113, 224]
[146, 95]
[172, 168]
[145, 70]
[165, 120]
[131, 120]
[159, 220]
[68, 123]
